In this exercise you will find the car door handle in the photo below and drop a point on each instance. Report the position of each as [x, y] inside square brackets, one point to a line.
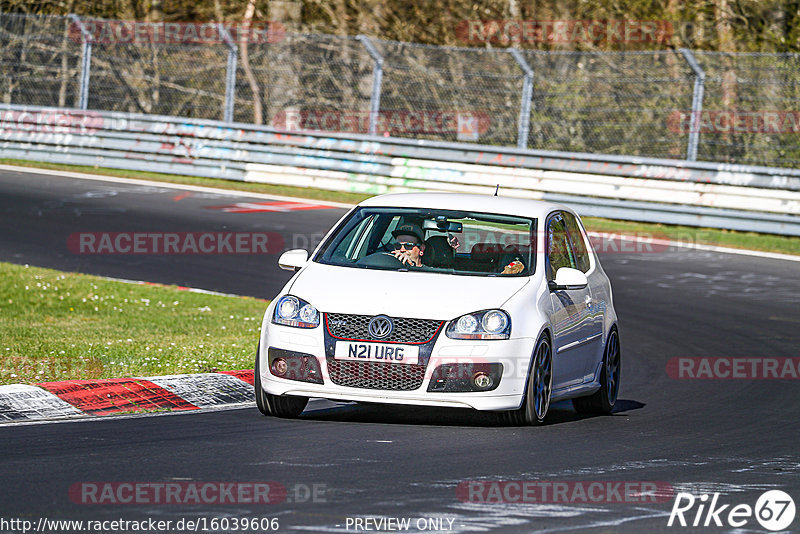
[588, 301]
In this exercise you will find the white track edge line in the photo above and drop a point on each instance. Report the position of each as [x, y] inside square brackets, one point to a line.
[230, 192]
[696, 246]
[170, 185]
[169, 286]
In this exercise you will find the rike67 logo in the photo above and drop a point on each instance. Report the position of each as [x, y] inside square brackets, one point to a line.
[774, 510]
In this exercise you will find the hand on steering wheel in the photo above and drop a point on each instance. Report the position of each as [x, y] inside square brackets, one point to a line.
[404, 258]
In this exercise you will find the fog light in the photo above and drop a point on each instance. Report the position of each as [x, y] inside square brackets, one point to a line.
[279, 367]
[482, 380]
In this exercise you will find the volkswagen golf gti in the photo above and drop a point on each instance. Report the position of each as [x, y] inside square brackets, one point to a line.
[444, 299]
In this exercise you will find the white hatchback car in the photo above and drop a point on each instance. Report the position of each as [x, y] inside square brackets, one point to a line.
[442, 299]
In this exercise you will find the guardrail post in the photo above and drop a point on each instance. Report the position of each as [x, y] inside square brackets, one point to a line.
[86, 62]
[527, 95]
[230, 74]
[377, 80]
[697, 103]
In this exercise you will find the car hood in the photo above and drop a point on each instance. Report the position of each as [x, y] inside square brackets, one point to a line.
[400, 294]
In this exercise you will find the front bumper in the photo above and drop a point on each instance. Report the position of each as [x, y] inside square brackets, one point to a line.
[513, 354]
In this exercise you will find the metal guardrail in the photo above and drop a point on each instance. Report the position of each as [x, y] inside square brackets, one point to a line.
[749, 198]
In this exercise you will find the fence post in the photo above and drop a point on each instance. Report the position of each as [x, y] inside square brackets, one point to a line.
[697, 103]
[230, 74]
[377, 80]
[527, 95]
[86, 62]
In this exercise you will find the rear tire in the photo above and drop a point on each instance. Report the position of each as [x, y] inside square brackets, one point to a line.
[536, 401]
[603, 400]
[285, 406]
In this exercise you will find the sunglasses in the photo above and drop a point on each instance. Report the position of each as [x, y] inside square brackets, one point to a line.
[407, 245]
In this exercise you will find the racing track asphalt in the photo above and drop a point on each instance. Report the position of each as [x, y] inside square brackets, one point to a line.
[736, 437]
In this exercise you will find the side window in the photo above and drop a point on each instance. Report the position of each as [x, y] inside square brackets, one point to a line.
[578, 243]
[387, 235]
[353, 245]
[559, 251]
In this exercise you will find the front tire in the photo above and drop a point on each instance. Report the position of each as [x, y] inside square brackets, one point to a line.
[536, 401]
[285, 406]
[603, 400]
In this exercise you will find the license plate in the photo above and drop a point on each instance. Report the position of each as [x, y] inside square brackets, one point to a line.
[376, 352]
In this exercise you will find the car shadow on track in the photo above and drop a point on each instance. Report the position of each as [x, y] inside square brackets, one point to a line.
[560, 412]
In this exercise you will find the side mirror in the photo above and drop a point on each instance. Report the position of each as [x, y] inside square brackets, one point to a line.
[568, 278]
[293, 260]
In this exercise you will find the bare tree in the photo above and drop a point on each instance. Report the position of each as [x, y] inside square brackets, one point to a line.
[724, 29]
[65, 54]
[258, 113]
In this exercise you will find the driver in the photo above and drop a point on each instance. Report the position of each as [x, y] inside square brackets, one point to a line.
[409, 246]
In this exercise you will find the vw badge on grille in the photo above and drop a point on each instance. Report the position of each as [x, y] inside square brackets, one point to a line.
[380, 326]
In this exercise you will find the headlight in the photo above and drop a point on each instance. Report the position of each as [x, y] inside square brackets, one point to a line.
[489, 324]
[494, 322]
[292, 311]
[308, 314]
[466, 324]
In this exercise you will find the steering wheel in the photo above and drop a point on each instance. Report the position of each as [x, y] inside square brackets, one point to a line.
[380, 259]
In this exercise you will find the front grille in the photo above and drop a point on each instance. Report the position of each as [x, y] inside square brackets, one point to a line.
[376, 375]
[344, 326]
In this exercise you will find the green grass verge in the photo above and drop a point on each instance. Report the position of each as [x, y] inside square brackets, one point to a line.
[710, 236]
[61, 326]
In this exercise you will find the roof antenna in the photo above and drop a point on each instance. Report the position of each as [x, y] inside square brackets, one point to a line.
[497, 189]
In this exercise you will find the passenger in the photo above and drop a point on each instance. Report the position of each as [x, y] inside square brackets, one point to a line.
[409, 247]
[515, 267]
[512, 261]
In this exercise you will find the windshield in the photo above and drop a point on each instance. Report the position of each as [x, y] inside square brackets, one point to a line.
[430, 240]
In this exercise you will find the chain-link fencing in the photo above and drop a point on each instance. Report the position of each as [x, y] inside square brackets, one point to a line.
[765, 90]
[39, 63]
[613, 103]
[732, 108]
